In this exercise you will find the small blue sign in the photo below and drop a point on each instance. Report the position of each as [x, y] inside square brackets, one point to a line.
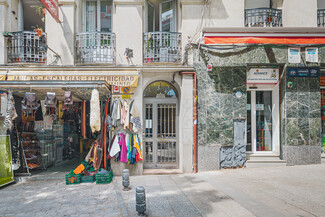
[303, 72]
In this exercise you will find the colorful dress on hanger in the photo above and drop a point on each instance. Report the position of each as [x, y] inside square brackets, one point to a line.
[124, 149]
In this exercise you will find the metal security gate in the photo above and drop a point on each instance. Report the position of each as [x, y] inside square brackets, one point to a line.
[161, 149]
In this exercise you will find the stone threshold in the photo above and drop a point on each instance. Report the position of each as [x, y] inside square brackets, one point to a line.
[161, 171]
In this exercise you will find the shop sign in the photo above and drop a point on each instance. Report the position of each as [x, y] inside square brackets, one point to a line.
[127, 96]
[52, 7]
[303, 72]
[117, 80]
[263, 76]
[312, 54]
[294, 55]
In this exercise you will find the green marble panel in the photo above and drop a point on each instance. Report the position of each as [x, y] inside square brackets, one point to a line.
[314, 131]
[303, 126]
[303, 84]
[291, 104]
[314, 84]
[292, 131]
[303, 104]
[315, 106]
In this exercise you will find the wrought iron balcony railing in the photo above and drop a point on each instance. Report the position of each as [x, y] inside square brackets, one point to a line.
[321, 18]
[95, 47]
[162, 47]
[26, 47]
[263, 17]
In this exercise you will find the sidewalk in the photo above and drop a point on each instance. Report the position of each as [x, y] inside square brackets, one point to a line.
[271, 191]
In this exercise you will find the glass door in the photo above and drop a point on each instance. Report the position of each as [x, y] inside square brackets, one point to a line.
[259, 121]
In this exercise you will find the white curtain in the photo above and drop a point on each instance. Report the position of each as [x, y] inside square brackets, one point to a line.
[91, 16]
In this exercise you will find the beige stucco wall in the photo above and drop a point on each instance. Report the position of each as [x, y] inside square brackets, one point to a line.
[128, 29]
[60, 36]
[299, 13]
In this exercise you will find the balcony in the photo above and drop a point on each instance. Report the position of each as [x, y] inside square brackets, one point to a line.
[263, 17]
[321, 18]
[95, 47]
[162, 47]
[26, 47]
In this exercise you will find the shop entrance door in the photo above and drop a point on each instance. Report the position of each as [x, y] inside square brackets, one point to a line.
[161, 134]
[263, 121]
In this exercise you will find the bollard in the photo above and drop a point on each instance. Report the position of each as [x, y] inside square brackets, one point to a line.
[125, 180]
[140, 195]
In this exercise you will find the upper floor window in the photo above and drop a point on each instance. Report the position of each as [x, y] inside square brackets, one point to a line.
[321, 13]
[262, 13]
[97, 16]
[161, 16]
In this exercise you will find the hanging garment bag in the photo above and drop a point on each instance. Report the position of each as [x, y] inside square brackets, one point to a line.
[29, 101]
[68, 98]
[50, 100]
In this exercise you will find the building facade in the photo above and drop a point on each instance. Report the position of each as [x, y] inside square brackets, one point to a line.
[161, 44]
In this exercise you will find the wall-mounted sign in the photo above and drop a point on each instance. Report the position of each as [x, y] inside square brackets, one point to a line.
[117, 80]
[126, 89]
[303, 72]
[312, 54]
[294, 55]
[209, 67]
[238, 94]
[116, 89]
[126, 96]
[262, 76]
[52, 7]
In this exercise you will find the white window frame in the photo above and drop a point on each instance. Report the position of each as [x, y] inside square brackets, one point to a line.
[148, 3]
[98, 28]
[174, 6]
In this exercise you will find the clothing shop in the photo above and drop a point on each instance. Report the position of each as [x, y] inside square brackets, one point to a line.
[52, 118]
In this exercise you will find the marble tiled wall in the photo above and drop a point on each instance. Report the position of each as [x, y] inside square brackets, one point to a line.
[218, 106]
[302, 131]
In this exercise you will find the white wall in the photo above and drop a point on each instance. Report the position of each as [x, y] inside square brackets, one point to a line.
[219, 13]
[128, 29]
[250, 4]
[299, 13]
[60, 36]
[186, 135]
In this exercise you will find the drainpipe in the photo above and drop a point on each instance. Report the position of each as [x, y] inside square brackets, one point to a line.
[195, 117]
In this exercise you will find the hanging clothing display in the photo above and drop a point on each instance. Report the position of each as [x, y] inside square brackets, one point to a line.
[135, 118]
[95, 120]
[115, 147]
[124, 114]
[124, 150]
[11, 113]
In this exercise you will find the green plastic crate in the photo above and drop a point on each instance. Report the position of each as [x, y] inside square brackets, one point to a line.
[72, 179]
[87, 179]
[104, 178]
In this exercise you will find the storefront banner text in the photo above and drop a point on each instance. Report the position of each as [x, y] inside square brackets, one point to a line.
[263, 76]
[116, 80]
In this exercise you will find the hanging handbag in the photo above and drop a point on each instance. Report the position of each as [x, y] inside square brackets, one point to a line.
[29, 101]
[68, 98]
[50, 100]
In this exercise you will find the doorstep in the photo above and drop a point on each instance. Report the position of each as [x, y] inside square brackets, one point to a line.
[161, 171]
[264, 161]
